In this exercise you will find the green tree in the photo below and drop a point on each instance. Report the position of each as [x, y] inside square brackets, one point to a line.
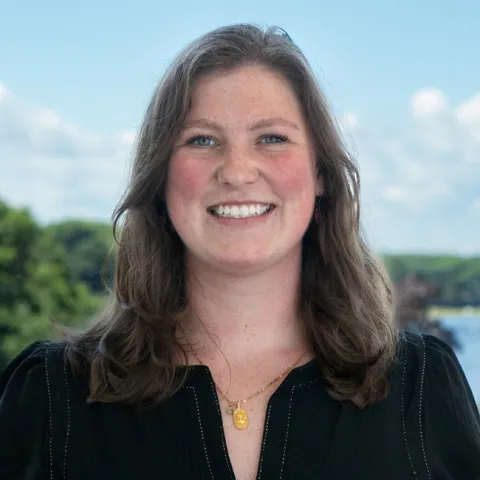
[40, 280]
[83, 247]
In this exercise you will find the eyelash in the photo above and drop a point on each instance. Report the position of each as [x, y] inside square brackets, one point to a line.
[190, 141]
[283, 138]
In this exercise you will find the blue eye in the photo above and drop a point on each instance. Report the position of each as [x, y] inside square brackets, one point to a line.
[272, 139]
[202, 141]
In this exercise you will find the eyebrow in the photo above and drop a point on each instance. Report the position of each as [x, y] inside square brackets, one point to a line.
[264, 123]
[270, 122]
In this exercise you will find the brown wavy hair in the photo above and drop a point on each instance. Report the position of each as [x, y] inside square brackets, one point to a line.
[346, 299]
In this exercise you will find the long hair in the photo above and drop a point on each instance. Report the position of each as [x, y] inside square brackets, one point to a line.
[346, 300]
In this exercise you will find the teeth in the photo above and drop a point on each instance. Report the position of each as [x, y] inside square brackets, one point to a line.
[240, 211]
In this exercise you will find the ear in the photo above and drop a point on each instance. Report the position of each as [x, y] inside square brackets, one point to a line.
[319, 187]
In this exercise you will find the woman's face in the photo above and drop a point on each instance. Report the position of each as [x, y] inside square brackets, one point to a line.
[242, 179]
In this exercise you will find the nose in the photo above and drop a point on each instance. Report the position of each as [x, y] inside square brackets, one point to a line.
[237, 168]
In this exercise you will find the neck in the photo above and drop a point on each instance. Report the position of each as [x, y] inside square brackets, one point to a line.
[244, 315]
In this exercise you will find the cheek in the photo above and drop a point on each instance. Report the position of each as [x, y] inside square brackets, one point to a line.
[187, 180]
[295, 175]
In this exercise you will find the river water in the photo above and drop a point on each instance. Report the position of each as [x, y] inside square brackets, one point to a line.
[467, 329]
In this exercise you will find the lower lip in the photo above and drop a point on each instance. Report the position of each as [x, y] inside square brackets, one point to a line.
[243, 222]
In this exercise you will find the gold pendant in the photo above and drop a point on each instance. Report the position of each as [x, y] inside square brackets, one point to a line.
[240, 418]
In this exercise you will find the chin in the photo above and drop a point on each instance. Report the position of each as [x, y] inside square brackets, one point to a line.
[244, 259]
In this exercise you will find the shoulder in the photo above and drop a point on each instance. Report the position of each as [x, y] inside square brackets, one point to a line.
[29, 369]
[25, 405]
[431, 368]
[25, 370]
[444, 417]
[26, 380]
[28, 377]
[420, 345]
[430, 362]
[22, 385]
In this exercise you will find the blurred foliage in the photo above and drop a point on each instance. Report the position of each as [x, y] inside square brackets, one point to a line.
[457, 279]
[50, 274]
[54, 274]
[413, 295]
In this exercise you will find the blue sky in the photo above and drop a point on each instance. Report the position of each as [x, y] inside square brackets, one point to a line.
[402, 77]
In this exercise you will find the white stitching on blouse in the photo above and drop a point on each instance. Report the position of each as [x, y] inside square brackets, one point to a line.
[224, 446]
[288, 422]
[421, 405]
[201, 429]
[68, 422]
[50, 439]
[264, 442]
[405, 359]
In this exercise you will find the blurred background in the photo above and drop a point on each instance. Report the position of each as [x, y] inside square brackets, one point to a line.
[401, 78]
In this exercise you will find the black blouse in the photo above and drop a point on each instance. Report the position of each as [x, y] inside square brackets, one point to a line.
[428, 428]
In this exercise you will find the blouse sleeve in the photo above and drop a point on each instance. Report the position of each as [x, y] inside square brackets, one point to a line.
[452, 422]
[24, 416]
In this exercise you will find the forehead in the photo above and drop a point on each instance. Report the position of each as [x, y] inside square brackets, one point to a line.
[247, 91]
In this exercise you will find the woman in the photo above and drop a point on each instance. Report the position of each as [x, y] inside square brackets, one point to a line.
[251, 333]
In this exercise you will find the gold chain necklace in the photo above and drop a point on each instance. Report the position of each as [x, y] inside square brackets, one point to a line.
[240, 417]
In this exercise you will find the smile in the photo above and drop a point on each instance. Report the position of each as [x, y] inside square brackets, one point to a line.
[240, 211]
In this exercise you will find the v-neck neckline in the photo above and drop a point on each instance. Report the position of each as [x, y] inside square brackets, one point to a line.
[300, 375]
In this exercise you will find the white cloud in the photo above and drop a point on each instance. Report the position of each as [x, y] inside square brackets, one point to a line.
[127, 137]
[57, 169]
[468, 114]
[420, 182]
[395, 193]
[3, 92]
[351, 120]
[428, 102]
[469, 111]
[47, 119]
